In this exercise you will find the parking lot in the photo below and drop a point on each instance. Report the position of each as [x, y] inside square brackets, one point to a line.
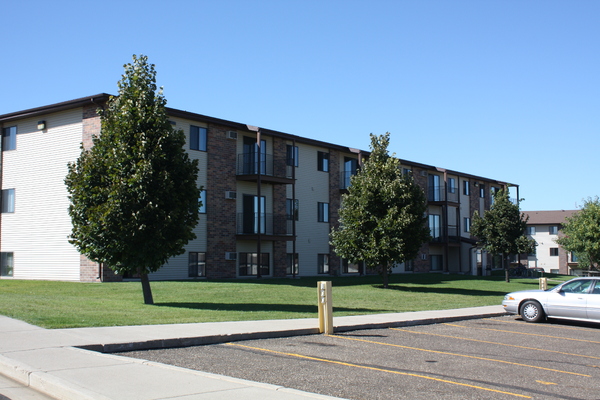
[500, 358]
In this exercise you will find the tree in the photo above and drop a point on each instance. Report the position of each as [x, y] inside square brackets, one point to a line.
[134, 197]
[582, 234]
[382, 215]
[501, 231]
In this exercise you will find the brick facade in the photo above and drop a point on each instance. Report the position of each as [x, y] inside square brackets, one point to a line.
[221, 213]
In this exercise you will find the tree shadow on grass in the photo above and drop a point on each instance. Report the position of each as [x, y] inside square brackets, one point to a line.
[439, 290]
[254, 307]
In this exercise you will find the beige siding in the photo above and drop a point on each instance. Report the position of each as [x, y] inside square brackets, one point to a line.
[37, 232]
[177, 267]
[312, 187]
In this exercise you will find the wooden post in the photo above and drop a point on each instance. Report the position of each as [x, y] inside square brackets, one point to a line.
[325, 307]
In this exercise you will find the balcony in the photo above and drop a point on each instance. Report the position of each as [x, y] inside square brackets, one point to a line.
[272, 227]
[438, 194]
[441, 237]
[269, 168]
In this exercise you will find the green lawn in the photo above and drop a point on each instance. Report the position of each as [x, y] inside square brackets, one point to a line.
[70, 304]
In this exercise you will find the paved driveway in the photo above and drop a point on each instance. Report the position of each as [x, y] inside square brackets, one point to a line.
[500, 358]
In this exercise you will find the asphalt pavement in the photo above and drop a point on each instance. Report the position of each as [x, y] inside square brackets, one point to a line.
[77, 363]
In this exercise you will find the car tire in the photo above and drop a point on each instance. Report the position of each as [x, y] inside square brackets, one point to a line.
[532, 311]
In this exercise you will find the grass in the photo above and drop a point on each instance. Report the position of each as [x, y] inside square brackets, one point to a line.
[70, 304]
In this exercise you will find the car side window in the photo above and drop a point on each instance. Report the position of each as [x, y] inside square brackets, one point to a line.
[579, 286]
[596, 288]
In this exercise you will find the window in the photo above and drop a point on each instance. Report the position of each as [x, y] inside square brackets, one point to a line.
[434, 188]
[292, 258]
[249, 264]
[451, 185]
[466, 189]
[574, 257]
[323, 260]
[291, 209]
[409, 265]
[6, 264]
[436, 262]
[202, 202]
[553, 230]
[8, 201]
[255, 158]
[9, 138]
[531, 230]
[467, 224]
[322, 161]
[482, 190]
[197, 138]
[435, 229]
[292, 155]
[406, 171]
[196, 264]
[350, 268]
[250, 215]
[323, 212]
[554, 251]
[350, 168]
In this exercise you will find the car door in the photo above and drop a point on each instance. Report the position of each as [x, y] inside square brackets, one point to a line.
[593, 302]
[570, 301]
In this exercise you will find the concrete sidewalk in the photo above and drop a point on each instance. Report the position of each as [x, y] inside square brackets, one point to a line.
[60, 362]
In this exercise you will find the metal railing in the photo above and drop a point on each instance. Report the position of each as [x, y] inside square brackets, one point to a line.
[263, 164]
[270, 224]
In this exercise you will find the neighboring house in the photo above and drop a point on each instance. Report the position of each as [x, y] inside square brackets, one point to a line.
[545, 227]
[302, 181]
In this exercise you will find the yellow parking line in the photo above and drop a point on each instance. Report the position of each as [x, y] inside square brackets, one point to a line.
[377, 369]
[460, 355]
[547, 383]
[523, 333]
[498, 343]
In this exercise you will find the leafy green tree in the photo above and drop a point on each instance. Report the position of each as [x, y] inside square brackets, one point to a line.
[582, 234]
[382, 215]
[501, 231]
[134, 198]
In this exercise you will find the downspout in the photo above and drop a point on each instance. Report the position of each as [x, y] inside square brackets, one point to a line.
[294, 212]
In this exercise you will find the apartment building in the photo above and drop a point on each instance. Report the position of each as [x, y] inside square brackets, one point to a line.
[545, 227]
[267, 209]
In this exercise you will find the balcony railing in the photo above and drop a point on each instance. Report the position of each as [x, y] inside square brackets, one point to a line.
[263, 164]
[438, 193]
[441, 237]
[277, 225]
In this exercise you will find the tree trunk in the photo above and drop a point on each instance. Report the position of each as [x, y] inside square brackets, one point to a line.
[146, 288]
[506, 272]
[384, 275]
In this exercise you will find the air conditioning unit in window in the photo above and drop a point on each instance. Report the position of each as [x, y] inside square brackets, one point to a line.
[231, 255]
[423, 173]
[231, 195]
[231, 135]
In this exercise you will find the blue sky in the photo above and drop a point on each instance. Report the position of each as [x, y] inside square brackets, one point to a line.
[508, 90]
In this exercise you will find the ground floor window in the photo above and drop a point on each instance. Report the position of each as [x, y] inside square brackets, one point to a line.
[409, 266]
[249, 264]
[196, 264]
[323, 263]
[6, 264]
[436, 262]
[292, 259]
[350, 268]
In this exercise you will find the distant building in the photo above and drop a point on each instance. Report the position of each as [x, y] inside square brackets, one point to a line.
[545, 227]
[301, 184]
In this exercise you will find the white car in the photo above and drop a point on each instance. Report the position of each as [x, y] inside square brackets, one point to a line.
[577, 299]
